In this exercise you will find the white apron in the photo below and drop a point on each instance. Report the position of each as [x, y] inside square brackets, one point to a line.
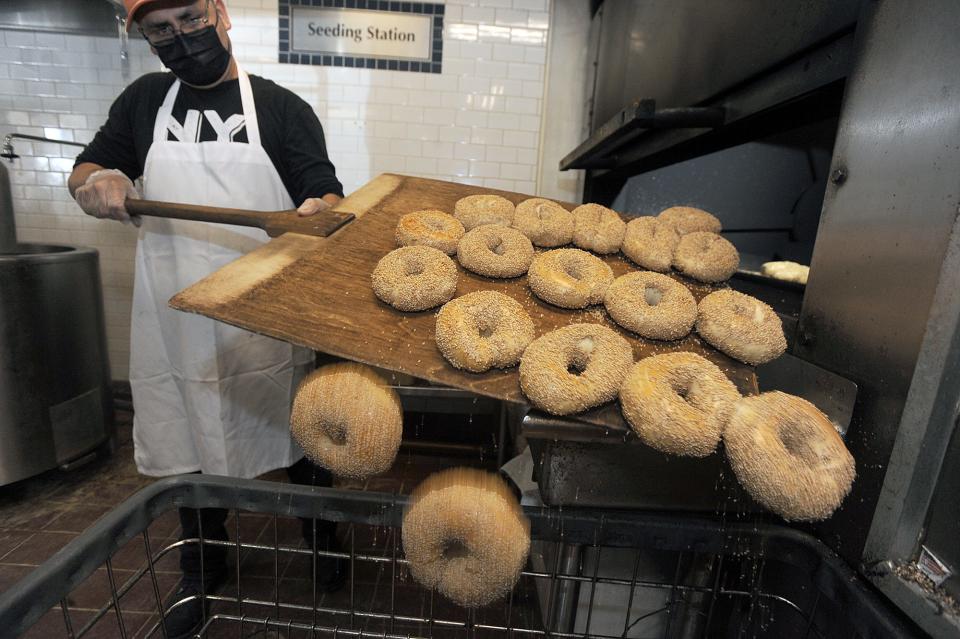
[207, 396]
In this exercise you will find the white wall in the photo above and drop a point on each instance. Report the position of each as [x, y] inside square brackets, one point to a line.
[480, 121]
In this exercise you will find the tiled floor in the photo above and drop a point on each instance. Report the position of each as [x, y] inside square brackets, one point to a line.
[41, 515]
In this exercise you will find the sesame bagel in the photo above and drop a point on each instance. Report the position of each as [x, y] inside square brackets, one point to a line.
[415, 278]
[430, 228]
[650, 242]
[347, 420]
[788, 456]
[483, 330]
[494, 250]
[651, 305]
[569, 278]
[687, 219]
[678, 403]
[597, 228]
[574, 368]
[477, 210]
[465, 535]
[545, 222]
[706, 257]
[741, 326]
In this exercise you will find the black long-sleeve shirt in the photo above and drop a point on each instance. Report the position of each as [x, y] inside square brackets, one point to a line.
[290, 132]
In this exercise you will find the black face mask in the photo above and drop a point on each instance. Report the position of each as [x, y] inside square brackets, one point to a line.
[197, 58]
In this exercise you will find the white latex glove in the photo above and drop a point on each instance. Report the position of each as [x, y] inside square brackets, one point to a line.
[103, 194]
[313, 205]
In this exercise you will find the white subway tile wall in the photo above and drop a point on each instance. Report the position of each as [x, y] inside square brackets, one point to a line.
[478, 122]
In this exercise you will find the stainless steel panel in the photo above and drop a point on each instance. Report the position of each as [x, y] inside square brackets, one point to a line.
[52, 349]
[89, 17]
[77, 425]
[886, 223]
[682, 53]
[8, 229]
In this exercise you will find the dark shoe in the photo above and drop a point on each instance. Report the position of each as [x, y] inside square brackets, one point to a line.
[186, 619]
[331, 571]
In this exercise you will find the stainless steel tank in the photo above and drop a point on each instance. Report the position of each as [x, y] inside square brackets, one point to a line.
[55, 396]
[8, 229]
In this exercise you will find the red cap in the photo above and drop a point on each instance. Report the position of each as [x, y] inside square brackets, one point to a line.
[132, 7]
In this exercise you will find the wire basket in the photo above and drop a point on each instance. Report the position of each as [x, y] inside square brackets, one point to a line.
[593, 573]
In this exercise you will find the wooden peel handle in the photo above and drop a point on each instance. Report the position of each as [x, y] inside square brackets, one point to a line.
[238, 217]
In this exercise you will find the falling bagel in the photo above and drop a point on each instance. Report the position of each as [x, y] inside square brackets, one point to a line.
[348, 420]
[465, 535]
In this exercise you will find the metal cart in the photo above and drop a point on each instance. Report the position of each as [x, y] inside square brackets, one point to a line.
[714, 579]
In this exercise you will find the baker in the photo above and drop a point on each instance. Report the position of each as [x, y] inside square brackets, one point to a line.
[208, 397]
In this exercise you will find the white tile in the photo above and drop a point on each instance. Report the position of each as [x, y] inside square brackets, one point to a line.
[474, 85]
[533, 90]
[521, 139]
[503, 86]
[529, 122]
[20, 38]
[80, 43]
[472, 118]
[535, 55]
[73, 121]
[506, 154]
[57, 134]
[406, 114]
[27, 163]
[469, 152]
[505, 120]
[36, 56]
[440, 116]
[528, 37]
[454, 134]
[490, 69]
[10, 54]
[407, 148]
[512, 18]
[493, 33]
[484, 169]
[440, 150]
[423, 131]
[461, 31]
[16, 118]
[486, 136]
[480, 15]
[499, 183]
[50, 40]
[389, 129]
[523, 105]
[523, 71]
[51, 179]
[516, 171]
[23, 177]
[37, 192]
[539, 20]
[389, 163]
[421, 166]
[476, 50]
[526, 187]
[509, 53]
[530, 5]
[40, 88]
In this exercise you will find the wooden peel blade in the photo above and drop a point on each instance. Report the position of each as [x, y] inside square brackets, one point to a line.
[275, 223]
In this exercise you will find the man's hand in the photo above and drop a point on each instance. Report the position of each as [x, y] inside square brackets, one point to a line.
[313, 205]
[103, 193]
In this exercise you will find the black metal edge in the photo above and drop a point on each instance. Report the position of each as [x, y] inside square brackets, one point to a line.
[641, 114]
[803, 76]
[24, 603]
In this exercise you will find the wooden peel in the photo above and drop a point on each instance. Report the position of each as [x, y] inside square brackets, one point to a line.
[275, 223]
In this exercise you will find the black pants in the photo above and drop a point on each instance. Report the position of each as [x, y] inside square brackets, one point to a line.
[212, 521]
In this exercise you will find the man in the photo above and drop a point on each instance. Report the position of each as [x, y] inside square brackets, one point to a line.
[208, 397]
